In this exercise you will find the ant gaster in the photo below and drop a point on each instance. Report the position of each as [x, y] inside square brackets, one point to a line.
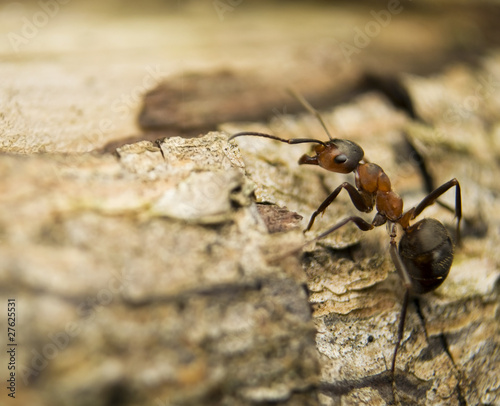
[425, 253]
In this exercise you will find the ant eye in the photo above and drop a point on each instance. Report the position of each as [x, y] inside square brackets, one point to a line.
[340, 159]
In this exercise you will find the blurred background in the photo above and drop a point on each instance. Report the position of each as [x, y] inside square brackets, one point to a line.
[74, 73]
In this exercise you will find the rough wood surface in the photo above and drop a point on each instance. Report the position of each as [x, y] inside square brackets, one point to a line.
[160, 274]
[355, 295]
[127, 293]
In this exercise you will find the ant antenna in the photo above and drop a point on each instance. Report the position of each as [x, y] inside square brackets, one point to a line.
[273, 137]
[310, 109]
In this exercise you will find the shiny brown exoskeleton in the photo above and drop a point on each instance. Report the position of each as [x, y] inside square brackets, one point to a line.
[425, 253]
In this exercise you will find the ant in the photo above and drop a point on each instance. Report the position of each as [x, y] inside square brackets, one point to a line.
[425, 253]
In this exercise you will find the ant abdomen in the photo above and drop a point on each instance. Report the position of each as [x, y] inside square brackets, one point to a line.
[426, 250]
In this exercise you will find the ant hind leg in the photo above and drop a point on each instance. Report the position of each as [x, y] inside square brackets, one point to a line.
[401, 327]
[432, 197]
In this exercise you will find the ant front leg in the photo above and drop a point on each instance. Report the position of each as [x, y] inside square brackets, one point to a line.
[361, 202]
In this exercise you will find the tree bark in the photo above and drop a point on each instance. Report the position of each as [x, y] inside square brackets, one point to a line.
[174, 272]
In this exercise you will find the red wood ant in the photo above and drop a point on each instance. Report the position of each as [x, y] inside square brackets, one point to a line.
[425, 253]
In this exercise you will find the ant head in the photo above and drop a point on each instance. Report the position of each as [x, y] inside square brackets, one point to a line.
[340, 156]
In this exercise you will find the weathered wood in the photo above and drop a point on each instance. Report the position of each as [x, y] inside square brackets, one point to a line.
[163, 267]
[160, 275]
[355, 295]
[138, 279]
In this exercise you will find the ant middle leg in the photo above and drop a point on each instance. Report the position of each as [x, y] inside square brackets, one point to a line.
[407, 283]
[361, 202]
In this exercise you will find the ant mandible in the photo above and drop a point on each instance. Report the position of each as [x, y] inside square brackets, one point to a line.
[425, 253]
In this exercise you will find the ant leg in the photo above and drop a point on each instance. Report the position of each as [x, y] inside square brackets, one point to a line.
[357, 199]
[424, 171]
[398, 263]
[358, 221]
[446, 348]
[403, 273]
[158, 144]
[444, 343]
[401, 327]
[432, 197]
[273, 137]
